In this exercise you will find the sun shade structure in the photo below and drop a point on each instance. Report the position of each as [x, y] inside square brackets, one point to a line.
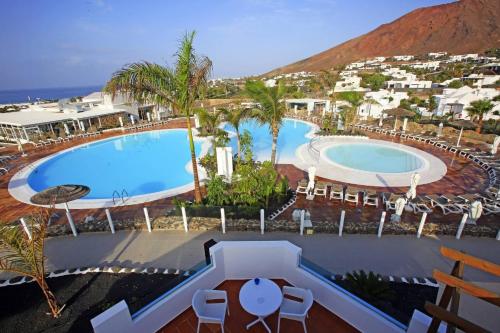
[462, 123]
[399, 112]
[61, 194]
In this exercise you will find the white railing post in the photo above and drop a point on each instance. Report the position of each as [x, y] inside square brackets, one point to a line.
[262, 221]
[381, 225]
[302, 214]
[461, 225]
[70, 220]
[341, 225]
[148, 221]
[184, 218]
[110, 221]
[223, 220]
[421, 225]
[25, 227]
[498, 235]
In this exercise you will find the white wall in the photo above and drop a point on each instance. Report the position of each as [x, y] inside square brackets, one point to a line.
[247, 260]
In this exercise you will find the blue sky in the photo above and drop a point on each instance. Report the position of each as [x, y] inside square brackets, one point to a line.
[54, 43]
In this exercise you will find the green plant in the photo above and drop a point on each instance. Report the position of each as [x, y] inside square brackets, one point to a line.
[235, 117]
[369, 287]
[24, 256]
[179, 86]
[272, 108]
[373, 81]
[478, 109]
[246, 142]
[355, 99]
[455, 84]
[216, 191]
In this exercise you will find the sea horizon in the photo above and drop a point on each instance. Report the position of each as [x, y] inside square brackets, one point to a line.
[12, 96]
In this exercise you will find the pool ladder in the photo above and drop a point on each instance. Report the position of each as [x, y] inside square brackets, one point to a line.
[123, 196]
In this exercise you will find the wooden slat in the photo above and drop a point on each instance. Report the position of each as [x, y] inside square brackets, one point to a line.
[467, 287]
[453, 319]
[469, 260]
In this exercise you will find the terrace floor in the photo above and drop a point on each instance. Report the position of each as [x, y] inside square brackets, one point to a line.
[320, 319]
[463, 176]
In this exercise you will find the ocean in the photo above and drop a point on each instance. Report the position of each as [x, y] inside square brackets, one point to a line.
[21, 96]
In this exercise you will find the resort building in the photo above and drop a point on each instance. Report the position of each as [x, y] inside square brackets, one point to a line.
[480, 80]
[378, 101]
[352, 83]
[426, 65]
[437, 54]
[463, 57]
[456, 101]
[356, 65]
[403, 57]
[311, 105]
[408, 84]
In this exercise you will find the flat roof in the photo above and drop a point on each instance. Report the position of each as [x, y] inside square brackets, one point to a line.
[34, 118]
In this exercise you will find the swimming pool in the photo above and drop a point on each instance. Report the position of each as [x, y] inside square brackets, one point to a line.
[139, 164]
[144, 166]
[374, 157]
[293, 133]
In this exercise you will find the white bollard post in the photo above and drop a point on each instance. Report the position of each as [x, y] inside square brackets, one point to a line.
[461, 226]
[341, 226]
[262, 221]
[421, 225]
[70, 220]
[223, 220]
[302, 214]
[184, 218]
[498, 235]
[25, 227]
[381, 225]
[148, 221]
[110, 221]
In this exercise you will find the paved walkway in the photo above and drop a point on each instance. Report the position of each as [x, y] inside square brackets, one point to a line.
[389, 255]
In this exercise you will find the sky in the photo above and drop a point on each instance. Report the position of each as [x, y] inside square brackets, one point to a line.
[70, 43]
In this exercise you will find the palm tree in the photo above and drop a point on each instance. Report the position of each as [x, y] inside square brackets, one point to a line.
[370, 287]
[329, 80]
[355, 99]
[24, 255]
[235, 117]
[211, 121]
[179, 87]
[478, 109]
[272, 108]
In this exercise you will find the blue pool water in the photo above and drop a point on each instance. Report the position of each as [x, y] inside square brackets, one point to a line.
[291, 136]
[148, 162]
[141, 163]
[373, 158]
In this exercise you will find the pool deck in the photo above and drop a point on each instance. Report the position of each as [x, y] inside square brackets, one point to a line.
[462, 176]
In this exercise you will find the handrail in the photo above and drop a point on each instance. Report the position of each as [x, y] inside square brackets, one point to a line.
[118, 194]
[314, 151]
[124, 192]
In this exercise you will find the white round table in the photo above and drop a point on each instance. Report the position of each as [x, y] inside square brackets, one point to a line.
[260, 300]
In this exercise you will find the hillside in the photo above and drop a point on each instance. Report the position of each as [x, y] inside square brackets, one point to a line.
[466, 26]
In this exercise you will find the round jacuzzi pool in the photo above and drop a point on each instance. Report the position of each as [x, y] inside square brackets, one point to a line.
[373, 157]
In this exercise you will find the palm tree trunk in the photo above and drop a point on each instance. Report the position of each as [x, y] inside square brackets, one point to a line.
[197, 193]
[274, 145]
[239, 144]
[480, 124]
[51, 299]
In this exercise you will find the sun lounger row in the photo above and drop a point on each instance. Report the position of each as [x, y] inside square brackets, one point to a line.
[142, 126]
[338, 192]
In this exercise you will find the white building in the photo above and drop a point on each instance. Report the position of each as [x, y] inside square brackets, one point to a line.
[426, 65]
[270, 83]
[375, 60]
[403, 57]
[480, 80]
[352, 83]
[463, 57]
[408, 84]
[348, 73]
[378, 101]
[437, 54]
[355, 65]
[311, 105]
[456, 101]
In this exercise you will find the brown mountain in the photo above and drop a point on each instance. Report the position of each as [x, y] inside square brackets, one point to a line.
[466, 26]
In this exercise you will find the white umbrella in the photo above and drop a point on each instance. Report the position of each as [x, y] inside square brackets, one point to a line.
[312, 173]
[476, 209]
[440, 130]
[400, 206]
[494, 147]
[380, 120]
[412, 192]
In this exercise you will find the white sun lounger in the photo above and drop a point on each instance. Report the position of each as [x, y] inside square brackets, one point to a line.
[337, 192]
[445, 204]
[302, 186]
[320, 189]
[370, 198]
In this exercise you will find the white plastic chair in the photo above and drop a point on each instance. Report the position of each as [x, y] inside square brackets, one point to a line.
[210, 313]
[295, 310]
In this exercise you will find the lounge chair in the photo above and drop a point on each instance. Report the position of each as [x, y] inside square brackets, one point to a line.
[302, 186]
[420, 205]
[390, 200]
[445, 204]
[3, 171]
[370, 197]
[320, 189]
[352, 194]
[337, 192]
